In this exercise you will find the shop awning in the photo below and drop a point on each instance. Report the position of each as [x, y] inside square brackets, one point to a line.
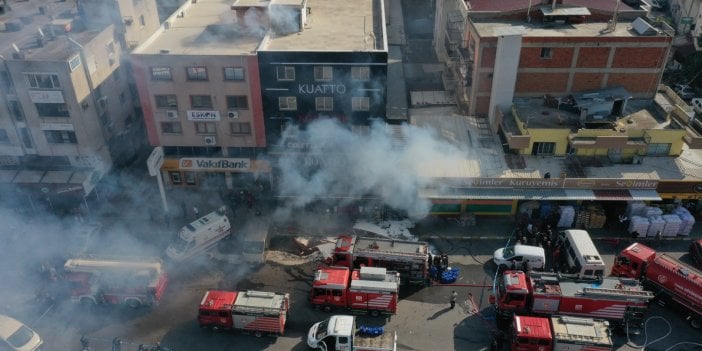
[539, 194]
[52, 182]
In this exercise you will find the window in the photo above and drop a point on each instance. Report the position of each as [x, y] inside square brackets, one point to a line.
[237, 102]
[360, 103]
[189, 178]
[233, 73]
[360, 73]
[196, 73]
[171, 128]
[142, 21]
[3, 136]
[6, 81]
[546, 53]
[15, 110]
[201, 101]
[43, 80]
[322, 73]
[324, 103]
[161, 73]
[175, 177]
[60, 136]
[657, 149]
[166, 101]
[52, 110]
[205, 127]
[287, 103]
[238, 128]
[285, 72]
[26, 138]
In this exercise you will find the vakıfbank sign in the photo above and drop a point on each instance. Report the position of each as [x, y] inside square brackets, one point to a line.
[215, 164]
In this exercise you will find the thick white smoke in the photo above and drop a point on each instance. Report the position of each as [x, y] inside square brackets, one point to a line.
[346, 165]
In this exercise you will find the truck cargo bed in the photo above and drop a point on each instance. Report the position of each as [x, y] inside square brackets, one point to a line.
[383, 342]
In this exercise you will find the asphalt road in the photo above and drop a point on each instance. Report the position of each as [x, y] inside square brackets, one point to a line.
[424, 320]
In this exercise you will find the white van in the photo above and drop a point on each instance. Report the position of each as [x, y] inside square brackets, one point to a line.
[581, 254]
[534, 256]
[255, 239]
[200, 235]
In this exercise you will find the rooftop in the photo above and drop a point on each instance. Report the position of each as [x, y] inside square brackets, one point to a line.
[490, 27]
[337, 25]
[511, 5]
[38, 28]
[206, 27]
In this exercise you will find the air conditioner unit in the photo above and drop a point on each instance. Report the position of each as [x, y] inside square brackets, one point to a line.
[210, 140]
[233, 114]
[172, 114]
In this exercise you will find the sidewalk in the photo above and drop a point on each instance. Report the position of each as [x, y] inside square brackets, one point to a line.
[500, 228]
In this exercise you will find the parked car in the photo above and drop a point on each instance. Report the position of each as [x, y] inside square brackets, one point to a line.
[684, 91]
[533, 255]
[696, 252]
[16, 336]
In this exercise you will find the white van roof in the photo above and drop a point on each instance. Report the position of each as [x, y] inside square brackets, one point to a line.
[581, 242]
[191, 229]
[528, 250]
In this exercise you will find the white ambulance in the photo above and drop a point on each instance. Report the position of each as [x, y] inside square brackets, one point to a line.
[200, 235]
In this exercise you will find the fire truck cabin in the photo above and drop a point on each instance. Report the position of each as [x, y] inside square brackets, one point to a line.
[531, 333]
[215, 309]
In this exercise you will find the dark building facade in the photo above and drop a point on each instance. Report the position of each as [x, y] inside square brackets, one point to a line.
[299, 87]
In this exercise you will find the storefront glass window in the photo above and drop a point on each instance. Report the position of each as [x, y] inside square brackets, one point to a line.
[175, 177]
[190, 178]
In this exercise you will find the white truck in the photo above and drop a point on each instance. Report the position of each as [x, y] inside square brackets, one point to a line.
[340, 333]
[200, 235]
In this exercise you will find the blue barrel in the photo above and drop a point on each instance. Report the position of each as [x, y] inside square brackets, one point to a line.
[450, 276]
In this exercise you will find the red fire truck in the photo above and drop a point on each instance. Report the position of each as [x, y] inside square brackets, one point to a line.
[255, 312]
[560, 333]
[619, 301]
[134, 282]
[409, 258]
[672, 281]
[368, 290]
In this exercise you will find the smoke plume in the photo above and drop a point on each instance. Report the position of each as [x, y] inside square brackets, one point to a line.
[345, 165]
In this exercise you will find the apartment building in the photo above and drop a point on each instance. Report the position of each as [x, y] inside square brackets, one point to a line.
[497, 51]
[66, 110]
[219, 82]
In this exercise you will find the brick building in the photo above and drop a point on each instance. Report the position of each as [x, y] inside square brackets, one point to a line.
[497, 51]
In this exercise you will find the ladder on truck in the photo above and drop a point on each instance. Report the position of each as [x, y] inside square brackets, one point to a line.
[616, 292]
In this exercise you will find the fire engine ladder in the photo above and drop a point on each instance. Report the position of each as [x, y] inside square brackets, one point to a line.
[377, 254]
[617, 292]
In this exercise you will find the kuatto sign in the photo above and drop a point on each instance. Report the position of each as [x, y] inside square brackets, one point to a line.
[215, 164]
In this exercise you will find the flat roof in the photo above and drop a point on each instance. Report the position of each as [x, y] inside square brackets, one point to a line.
[206, 27]
[336, 25]
[512, 5]
[491, 28]
[26, 18]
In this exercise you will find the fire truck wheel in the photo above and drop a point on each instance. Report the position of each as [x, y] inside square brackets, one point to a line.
[327, 309]
[215, 328]
[695, 323]
[133, 303]
[375, 313]
[258, 334]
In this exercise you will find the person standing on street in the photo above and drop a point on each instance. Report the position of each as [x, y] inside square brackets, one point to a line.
[454, 296]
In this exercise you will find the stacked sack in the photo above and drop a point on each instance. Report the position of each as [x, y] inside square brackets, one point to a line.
[687, 220]
[656, 224]
[371, 331]
[567, 216]
[638, 224]
[449, 276]
[672, 225]
[650, 211]
[635, 208]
